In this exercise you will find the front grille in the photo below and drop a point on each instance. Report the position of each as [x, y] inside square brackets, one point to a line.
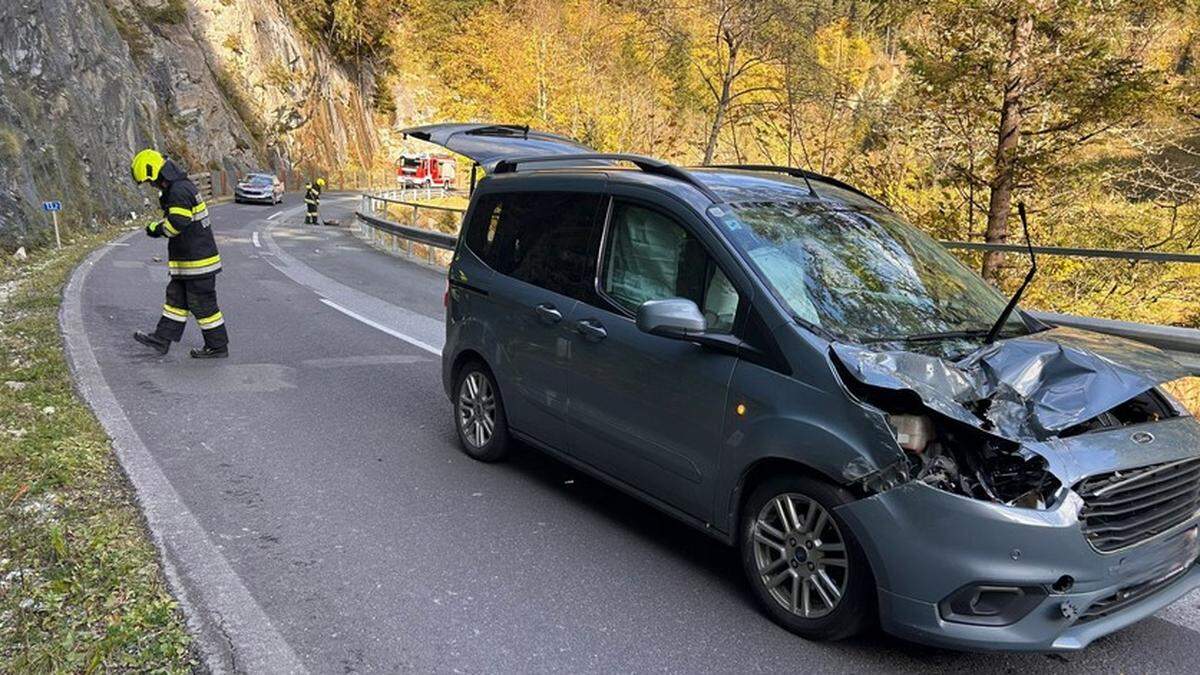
[1128, 596]
[1124, 508]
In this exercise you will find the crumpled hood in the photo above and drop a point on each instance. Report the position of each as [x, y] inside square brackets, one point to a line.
[1021, 388]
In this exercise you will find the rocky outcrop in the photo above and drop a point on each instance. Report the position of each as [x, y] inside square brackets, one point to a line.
[217, 83]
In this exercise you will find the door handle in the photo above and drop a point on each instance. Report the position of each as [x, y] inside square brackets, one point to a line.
[548, 314]
[591, 330]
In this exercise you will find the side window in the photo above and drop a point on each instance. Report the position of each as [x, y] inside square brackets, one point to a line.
[651, 257]
[543, 238]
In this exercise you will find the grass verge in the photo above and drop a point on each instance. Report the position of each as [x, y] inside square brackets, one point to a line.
[81, 588]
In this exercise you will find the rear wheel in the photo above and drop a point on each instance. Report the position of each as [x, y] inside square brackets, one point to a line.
[803, 562]
[479, 414]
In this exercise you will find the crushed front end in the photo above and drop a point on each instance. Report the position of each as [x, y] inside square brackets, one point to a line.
[1047, 491]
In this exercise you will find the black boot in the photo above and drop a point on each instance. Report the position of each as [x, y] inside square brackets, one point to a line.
[207, 352]
[150, 340]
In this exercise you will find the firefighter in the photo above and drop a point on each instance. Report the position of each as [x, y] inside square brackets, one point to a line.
[192, 259]
[312, 201]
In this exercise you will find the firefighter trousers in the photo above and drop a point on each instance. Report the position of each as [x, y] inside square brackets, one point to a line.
[199, 298]
[310, 218]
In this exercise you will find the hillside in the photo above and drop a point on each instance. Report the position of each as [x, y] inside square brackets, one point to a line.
[218, 83]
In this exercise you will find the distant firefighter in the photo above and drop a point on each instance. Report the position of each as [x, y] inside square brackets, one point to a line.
[192, 258]
[312, 201]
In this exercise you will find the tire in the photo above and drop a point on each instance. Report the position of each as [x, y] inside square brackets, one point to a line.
[809, 570]
[474, 388]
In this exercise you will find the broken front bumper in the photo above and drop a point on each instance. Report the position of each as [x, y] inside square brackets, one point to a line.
[924, 545]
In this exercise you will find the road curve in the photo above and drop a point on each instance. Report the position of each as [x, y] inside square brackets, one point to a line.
[313, 506]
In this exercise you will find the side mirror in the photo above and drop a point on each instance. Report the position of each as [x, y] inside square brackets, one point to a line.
[673, 317]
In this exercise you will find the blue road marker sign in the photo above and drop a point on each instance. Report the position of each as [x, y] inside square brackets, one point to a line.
[52, 206]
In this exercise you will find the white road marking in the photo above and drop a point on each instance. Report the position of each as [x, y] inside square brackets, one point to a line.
[275, 215]
[394, 333]
[254, 239]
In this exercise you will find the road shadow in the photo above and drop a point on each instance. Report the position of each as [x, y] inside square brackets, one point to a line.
[1152, 645]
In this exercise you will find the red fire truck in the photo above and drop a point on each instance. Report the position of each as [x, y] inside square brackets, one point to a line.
[426, 170]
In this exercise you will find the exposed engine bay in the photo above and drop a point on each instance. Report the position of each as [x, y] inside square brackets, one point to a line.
[968, 463]
[978, 425]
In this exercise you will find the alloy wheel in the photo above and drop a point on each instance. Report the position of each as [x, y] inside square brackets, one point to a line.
[476, 409]
[800, 555]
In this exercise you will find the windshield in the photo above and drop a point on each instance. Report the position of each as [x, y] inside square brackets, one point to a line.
[863, 275]
[259, 179]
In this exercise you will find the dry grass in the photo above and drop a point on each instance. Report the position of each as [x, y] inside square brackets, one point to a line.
[81, 587]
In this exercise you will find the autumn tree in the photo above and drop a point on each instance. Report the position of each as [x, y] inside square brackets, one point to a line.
[1042, 79]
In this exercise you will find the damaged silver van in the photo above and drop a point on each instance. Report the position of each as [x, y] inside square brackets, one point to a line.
[782, 362]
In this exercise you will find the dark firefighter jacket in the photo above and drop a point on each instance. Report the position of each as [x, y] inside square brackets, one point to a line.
[312, 196]
[191, 251]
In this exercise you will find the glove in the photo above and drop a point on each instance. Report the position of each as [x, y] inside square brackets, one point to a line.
[154, 229]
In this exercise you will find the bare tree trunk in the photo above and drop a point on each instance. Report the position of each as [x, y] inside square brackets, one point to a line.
[710, 147]
[1005, 164]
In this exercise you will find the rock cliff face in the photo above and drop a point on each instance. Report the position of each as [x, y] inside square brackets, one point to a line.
[216, 83]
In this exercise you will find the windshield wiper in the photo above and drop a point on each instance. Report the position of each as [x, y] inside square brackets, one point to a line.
[1012, 304]
[932, 337]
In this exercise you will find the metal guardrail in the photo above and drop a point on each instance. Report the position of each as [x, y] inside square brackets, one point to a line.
[416, 234]
[1183, 343]
[409, 194]
[376, 227]
[1147, 256]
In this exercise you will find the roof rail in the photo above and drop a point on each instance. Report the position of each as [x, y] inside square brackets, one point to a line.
[799, 173]
[646, 164]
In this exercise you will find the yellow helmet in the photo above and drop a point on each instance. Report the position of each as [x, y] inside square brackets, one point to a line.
[320, 182]
[146, 165]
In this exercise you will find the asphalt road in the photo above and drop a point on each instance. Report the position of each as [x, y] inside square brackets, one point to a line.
[315, 483]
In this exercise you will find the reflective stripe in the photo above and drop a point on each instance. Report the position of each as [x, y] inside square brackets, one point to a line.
[191, 268]
[210, 322]
[203, 262]
[195, 271]
[169, 228]
[174, 313]
[200, 212]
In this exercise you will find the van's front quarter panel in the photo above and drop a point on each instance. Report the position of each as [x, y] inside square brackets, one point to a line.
[815, 425]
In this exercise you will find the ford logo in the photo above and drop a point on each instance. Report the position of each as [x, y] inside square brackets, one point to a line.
[1142, 437]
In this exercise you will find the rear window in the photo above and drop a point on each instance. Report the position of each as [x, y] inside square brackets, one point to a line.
[544, 238]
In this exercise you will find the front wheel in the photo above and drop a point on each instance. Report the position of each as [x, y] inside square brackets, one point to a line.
[803, 562]
[479, 414]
